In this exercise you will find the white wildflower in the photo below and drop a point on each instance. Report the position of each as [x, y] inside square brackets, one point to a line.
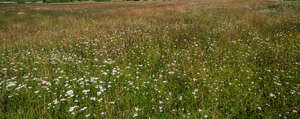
[70, 93]
[171, 72]
[93, 98]
[272, 95]
[55, 101]
[36, 91]
[135, 115]
[136, 109]
[82, 109]
[180, 97]
[72, 108]
[259, 108]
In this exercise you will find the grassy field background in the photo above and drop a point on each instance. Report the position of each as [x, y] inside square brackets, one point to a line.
[157, 59]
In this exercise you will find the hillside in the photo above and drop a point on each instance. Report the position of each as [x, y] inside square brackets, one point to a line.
[154, 59]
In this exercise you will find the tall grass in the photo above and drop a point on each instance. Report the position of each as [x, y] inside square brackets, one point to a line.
[184, 59]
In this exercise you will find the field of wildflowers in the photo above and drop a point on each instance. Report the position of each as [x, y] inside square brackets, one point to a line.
[150, 60]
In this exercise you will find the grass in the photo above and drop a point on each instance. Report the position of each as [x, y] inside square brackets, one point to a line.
[171, 59]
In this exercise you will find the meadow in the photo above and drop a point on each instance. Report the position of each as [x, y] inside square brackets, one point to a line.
[193, 59]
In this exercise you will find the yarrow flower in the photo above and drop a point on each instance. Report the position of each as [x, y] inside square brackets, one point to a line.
[135, 115]
[70, 93]
[72, 108]
[82, 109]
[272, 95]
[93, 98]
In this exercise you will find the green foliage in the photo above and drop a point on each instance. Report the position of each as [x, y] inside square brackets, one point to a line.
[117, 61]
